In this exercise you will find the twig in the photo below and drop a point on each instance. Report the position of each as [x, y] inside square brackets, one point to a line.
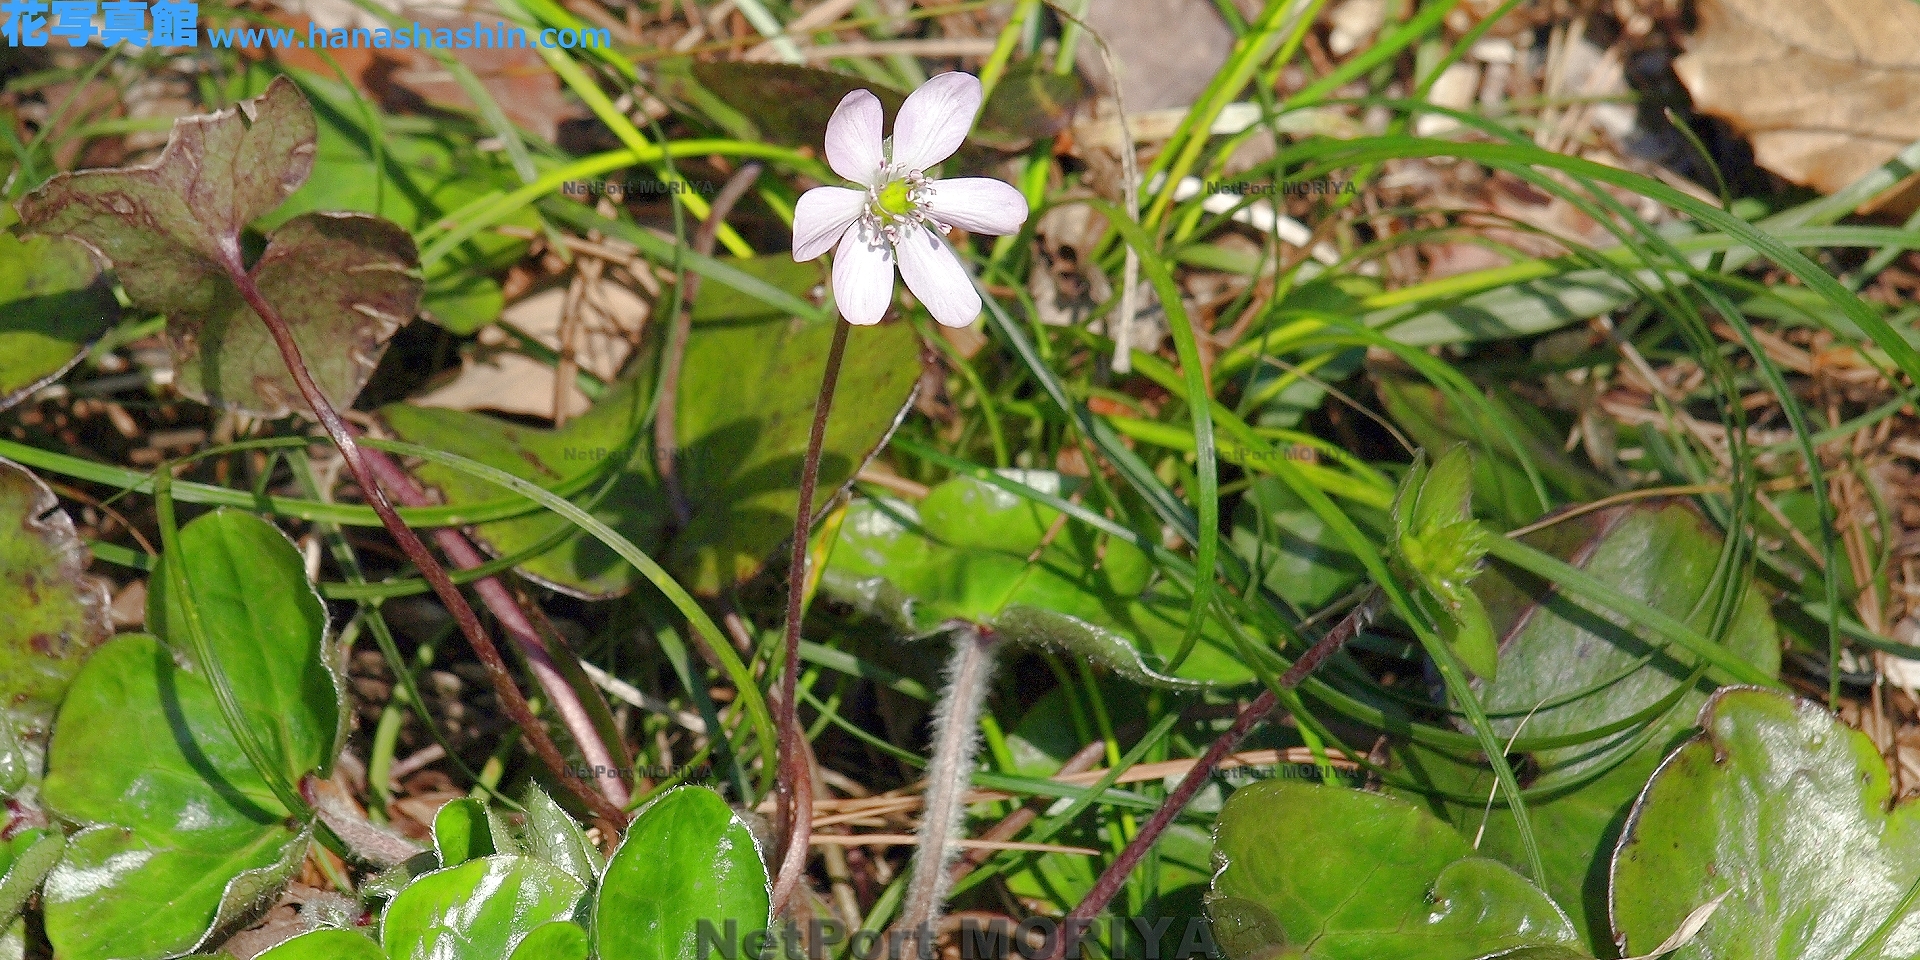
[1116, 873]
[666, 441]
[499, 601]
[436, 575]
[795, 784]
[1355, 621]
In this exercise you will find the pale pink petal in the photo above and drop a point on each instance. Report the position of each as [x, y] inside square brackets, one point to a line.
[935, 119]
[863, 276]
[977, 205]
[935, 275]
[853, 138]
[821, 216]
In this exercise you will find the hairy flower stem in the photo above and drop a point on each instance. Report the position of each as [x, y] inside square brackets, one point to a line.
[956, 741]
[1108, 886]
[337, 430]
[794, 788]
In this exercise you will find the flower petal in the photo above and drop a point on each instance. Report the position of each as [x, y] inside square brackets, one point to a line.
[863, 276]
[976, 205]
[935, 275]
[853, 138]
[821, 216]
[935, 119]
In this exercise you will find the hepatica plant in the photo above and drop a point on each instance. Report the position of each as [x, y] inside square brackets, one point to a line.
[900, 215]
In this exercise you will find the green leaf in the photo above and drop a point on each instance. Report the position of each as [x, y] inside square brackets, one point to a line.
[1031, 101]
[1441, 544]
[747, 391]
[555, 837]
[25, 861]
[1327, 873]
[461, 832]
[1446, 498]
[555, 941]
[1552, 649]
[962, 553]
[687, 859]
[1789, 812]
[56, 616]
[185, 837]
[1040, 744]
[268, 628]
[54, 300]
[326, 945]
[1299, 556]
[172, 230]
[478, 910]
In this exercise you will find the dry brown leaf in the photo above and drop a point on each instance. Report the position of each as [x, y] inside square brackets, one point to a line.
[505, 381]
[1826, 90]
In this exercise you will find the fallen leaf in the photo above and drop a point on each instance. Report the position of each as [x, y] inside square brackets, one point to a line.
[1826, 90]
[526, 88]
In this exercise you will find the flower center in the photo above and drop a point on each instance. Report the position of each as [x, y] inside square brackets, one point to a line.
[901, 200]
[896, 198]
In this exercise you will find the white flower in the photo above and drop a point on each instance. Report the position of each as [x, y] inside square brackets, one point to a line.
[900, 214]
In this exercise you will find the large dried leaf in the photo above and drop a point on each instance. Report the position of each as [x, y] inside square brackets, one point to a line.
[172, 230]
[1827, 90]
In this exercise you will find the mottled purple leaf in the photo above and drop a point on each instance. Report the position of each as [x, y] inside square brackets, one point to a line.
[55, 616]
[173, 232]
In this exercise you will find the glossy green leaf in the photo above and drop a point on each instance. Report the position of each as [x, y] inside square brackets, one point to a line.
[963, 553]
[326, 945]
[268, 628]
[687, 859]
[746, 399]
[183, 837]
[1789, 812]
[478, 910]
[551, 835]
[1328, 873]
[172, 230]
[461, 832]
[555, 941]
[55, 616]
[1552, 649]
[54, 301]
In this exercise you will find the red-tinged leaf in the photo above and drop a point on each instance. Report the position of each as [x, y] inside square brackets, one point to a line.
[173, 232]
